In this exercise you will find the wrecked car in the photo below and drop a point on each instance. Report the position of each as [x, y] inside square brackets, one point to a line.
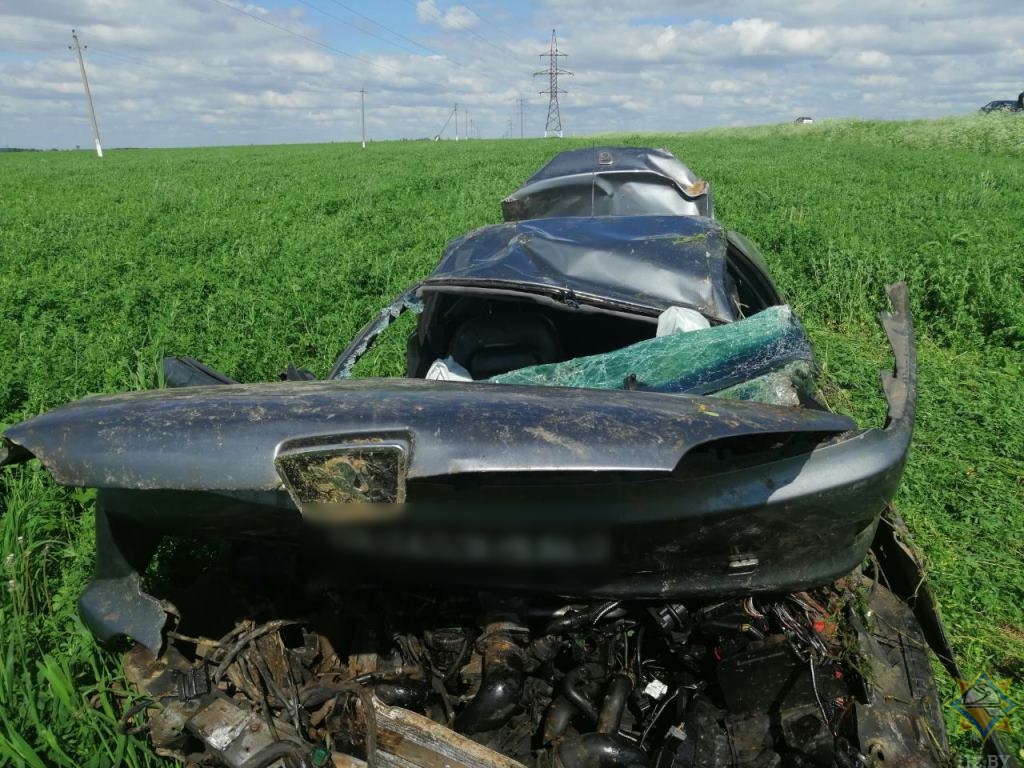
[604, 520]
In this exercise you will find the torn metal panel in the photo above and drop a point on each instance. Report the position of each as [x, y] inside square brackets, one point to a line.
[11, 453]
[895, 722]
[900, 384]
[236, 736]
[113, 605]
[903, 566]
[408, 301]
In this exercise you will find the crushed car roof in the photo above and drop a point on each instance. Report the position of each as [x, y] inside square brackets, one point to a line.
[639, 263]
[590, 159]
[610, 181]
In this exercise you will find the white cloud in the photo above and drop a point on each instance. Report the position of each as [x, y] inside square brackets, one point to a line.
[880, 81]
[873, 58]
[853, 59]
[302, 61]
[459, 17]
[758, 37]
[454, 18]
[197, 72]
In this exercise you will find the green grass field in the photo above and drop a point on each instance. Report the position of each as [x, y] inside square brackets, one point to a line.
[251, 258]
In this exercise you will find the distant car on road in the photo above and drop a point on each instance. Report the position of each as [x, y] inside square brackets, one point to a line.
[804, 120]
[1005, 105]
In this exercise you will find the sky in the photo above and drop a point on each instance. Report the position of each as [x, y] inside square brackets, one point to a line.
[214, 72]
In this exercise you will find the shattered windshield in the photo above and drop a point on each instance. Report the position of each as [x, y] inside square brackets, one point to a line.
[765, 358]
[768, 354]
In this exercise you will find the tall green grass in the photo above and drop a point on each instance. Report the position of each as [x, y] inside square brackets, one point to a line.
[251, 258]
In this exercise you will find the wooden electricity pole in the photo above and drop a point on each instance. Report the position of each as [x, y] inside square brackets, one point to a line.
[362, 110]
[88, 94]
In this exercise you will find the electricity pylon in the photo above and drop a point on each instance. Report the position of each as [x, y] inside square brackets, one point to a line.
[553, 127]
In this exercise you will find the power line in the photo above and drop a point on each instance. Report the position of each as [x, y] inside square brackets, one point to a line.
[445, 83]
[22, 41]
[118, 56]
[505, 51]
[356, 28]
[388, 29]
[489, 64]
[307, 38]
[379, 66]
[321, 44]
[43, 48]
[499, 48]
[553, 126]
[444, 57]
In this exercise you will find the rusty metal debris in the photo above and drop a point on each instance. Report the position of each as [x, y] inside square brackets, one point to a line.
[467, 679]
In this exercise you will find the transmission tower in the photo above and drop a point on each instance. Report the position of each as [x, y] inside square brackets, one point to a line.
[553, 127]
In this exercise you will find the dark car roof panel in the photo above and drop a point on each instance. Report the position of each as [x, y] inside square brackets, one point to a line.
[651, 262]
[610, 181]
[588, 160]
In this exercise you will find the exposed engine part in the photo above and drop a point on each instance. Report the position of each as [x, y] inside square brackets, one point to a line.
[386, 678]
[501, 684]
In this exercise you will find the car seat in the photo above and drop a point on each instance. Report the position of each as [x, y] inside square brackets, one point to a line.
[487, 345]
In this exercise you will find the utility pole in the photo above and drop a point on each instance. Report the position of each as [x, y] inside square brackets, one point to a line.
[88, 95]
[553, 126]
[447, 120]
[362, 110]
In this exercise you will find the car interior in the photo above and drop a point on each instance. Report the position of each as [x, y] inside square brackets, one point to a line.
[489, 336]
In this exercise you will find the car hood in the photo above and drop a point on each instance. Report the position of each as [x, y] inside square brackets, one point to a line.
[228, 437]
